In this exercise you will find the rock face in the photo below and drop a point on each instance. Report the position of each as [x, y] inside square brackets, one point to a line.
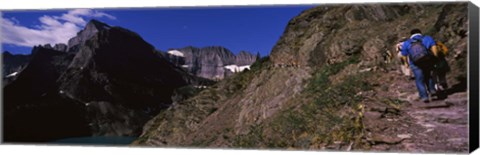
[110, 85]
[245, 58]
[209, 62]
[90, 30]
[310, 93]
[13, 63]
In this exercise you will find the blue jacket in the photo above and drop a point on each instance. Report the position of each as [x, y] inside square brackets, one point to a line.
[427, 41]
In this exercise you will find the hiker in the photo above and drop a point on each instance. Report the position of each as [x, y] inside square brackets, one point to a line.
[441, 67]
[387, 56]
[404, 69]
[421, 51]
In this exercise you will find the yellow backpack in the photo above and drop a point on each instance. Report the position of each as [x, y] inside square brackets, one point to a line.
[443, 49]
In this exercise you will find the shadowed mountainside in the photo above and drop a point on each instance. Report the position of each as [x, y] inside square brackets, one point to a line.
[109, 82]
[12, 65]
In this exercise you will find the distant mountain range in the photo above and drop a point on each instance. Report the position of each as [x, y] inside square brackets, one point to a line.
[107, 81]
[213, 62]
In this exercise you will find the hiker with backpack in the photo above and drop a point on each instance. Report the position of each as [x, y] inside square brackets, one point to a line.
[441, 67]
[421, 51]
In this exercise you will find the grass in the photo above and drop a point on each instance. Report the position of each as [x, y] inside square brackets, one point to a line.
[239, 81]
[141, 140]
[203, 142]
[328, 114]
[395, 103]
[250, 140]
[200, 104]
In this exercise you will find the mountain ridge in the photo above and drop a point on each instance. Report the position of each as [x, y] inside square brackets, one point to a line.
[313, 89]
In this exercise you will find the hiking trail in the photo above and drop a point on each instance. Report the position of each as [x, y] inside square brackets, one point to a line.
[403, 123]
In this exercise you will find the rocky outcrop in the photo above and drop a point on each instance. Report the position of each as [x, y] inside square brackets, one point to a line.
[89, 31]
[312, 91]
[58, 47]
[209, 62]
[110, 86]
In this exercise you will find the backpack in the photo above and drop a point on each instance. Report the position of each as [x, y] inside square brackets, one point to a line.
[419, 54]
[442, 64]
[442, 48]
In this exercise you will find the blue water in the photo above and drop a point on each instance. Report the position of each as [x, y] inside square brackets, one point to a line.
[97, 140]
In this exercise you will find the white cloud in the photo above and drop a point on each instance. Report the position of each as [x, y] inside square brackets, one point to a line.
[52, 30]
[80, 12]
[102, 14]
[73, 18]
[49, 22]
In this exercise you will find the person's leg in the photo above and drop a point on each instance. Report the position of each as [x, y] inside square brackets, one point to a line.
[442, 79]
[427, 70]
[429, 80]
[435, 78]
[404, 70]
[442, 71]
[420, 82]
[443, 85]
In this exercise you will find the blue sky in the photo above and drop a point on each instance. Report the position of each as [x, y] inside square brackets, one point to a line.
[253, 28]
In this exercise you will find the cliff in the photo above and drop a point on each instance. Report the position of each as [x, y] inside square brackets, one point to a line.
[209, 62]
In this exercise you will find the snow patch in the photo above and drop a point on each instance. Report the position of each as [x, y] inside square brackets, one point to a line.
[242, 68]
[12, 75]
[235, 68]
[176, 53]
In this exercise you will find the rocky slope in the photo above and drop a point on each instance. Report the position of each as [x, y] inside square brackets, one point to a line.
[109, 82]
[209, 62]
[313, 91]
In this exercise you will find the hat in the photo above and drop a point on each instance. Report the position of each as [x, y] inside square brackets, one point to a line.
[415, 31]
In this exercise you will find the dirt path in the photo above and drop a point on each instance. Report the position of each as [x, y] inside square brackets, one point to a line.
[402, 123]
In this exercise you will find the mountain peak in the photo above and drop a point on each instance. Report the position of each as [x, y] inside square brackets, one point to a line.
[92, 27]
[98, 25]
